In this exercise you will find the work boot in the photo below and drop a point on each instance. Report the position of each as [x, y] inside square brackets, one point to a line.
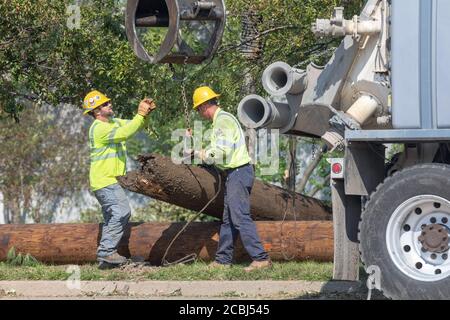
[115, 259]
[217, 265]
[255, 265]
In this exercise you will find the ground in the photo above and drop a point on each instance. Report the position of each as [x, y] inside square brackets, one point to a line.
[289, 280]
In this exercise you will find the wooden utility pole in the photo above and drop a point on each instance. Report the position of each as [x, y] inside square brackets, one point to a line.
[77, 243]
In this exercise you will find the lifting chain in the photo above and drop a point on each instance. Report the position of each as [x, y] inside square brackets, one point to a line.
[187, 115]
[182, 80]
[187, 140]
[193, 256]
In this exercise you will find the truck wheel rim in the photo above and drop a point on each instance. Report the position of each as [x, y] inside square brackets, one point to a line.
[417, 238]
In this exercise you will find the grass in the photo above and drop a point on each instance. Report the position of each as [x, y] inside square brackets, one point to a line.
[14, 259]
[310, 271]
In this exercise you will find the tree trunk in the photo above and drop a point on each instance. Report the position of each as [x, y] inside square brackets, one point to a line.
[77, 243]
[290, 174]
[317, 188]
[6, 214]
[14, 208]
[311, 167]
[191, 187]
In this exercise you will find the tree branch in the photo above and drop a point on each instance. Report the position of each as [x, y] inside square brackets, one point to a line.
[317, 188]
[259, 35]
[310, 168]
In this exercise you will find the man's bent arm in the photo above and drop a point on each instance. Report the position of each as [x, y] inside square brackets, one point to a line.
[123, 133]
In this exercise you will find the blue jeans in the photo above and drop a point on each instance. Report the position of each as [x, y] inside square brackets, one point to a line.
[237, 219]
[116, 213]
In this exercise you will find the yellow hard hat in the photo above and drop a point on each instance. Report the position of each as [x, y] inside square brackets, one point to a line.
[94, 99]
[203, 94]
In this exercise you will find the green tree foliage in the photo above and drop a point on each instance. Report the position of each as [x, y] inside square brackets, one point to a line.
[156, 211]
[164, 212]
[42, 60]
[42, 162]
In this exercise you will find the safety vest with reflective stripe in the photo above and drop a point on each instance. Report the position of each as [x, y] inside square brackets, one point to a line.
[108, 152]
[228, 149]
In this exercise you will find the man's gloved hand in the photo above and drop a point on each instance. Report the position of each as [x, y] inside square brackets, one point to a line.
[201, 154]
[192, 154]
[151, 103]
[146, 106]
[188, 154]
[143, 109]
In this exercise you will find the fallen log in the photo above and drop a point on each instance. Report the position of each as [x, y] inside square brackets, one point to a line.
[77, 243]
[191, 187]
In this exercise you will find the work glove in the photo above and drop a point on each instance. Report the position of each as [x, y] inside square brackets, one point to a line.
[201, 154]
[143, 109]
[146, 106]
[151, 103]
[189, 155]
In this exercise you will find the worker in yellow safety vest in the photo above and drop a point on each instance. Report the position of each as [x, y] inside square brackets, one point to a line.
[228, 151]
[108, 156]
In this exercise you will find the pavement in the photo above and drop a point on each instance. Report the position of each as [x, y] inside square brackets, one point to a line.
[73, 289]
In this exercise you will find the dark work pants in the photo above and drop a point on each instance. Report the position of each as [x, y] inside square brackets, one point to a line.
[237, 219]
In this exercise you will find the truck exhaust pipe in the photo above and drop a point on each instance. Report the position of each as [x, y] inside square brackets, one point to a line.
[279, 78]
[256, 112]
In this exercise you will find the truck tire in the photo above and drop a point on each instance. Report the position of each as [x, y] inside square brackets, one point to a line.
[404, 234]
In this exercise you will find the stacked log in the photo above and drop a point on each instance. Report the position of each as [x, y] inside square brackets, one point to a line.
[296, 226]
[77, 243]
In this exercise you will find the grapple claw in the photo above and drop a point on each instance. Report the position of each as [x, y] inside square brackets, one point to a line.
[190, 30]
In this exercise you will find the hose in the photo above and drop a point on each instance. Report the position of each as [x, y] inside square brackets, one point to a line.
[192, 256]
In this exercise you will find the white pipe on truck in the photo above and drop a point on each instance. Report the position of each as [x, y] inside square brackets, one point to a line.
[256, 112]
[363, 108]
[279, 78]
